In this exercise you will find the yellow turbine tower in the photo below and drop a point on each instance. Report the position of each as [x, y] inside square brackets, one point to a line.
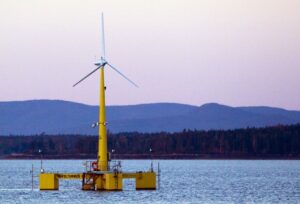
[100, 174]
[102, 160]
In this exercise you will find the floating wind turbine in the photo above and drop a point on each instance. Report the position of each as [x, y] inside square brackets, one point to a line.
[100, 175]
[103, 62]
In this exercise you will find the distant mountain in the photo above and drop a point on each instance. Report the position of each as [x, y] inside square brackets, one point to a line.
[62, 117]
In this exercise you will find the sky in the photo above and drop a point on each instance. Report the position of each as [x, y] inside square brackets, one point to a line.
[233, 52]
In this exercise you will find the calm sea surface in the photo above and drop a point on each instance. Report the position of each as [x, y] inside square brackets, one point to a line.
[182, 181]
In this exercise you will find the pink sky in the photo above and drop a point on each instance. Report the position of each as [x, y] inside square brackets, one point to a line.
[234, 52]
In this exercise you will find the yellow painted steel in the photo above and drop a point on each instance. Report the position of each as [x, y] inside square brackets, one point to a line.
[102, 143]
[143, 180]
[48, 181]
[109, 182]
[68, 176]
[113, 182]
[99, 183]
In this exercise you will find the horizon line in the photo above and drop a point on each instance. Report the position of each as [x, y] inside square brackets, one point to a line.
[152, 103]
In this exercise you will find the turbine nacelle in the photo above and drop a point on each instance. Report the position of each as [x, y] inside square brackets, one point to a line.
[102, 62]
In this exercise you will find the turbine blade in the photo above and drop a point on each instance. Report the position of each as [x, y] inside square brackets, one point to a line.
[87, 76]
[103, 41]
[122, 75]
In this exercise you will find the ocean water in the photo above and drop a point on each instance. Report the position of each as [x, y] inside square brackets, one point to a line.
[182, 181]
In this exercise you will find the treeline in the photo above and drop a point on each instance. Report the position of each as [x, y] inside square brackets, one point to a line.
[251, 143]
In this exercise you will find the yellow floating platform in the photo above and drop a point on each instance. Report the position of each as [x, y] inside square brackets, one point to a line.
[102, 181]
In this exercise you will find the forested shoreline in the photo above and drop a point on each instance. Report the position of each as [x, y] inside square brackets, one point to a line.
[278, 142]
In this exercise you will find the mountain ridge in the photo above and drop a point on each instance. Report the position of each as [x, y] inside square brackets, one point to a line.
[66, 117]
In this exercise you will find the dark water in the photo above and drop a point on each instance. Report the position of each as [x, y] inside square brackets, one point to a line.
[182, 181]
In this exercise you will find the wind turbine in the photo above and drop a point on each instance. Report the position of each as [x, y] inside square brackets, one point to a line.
[102, 160]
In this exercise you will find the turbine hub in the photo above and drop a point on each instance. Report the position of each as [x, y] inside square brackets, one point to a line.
[101, 63]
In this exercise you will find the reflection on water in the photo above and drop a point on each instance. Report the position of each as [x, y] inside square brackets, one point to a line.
[182, 181]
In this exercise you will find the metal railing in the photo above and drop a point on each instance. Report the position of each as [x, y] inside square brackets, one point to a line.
[114, 166]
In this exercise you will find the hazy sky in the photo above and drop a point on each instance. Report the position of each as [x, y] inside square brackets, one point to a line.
[234, 52]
